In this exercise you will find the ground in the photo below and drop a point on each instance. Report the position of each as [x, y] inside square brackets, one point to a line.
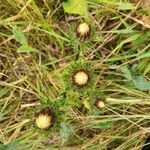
[41, 51]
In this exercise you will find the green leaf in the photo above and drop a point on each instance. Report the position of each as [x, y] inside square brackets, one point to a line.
[19, 36]
[145, 55]
[65, 131]
[111, 2]
[126, 72]
[103, 125]
[124, 31]
[3, 91]
[141, 83]
[126, 6]
[75, 6]
[144, 65]
[86, 104]
[3, 147]
[145, 11]
[131, 38]
[25, 49]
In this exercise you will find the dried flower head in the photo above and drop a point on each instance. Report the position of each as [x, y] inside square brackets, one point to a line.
[44, 119]
[83, 29]
[80, 78]
[100, 104]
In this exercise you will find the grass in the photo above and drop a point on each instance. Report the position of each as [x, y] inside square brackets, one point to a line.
[116, 55]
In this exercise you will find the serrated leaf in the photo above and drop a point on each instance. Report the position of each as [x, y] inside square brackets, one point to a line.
[25, 49]
[141, 83]
[75, 6]
[19, 36]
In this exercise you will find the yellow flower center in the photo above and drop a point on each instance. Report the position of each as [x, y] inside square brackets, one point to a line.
[83, 29]
[81, 78]
[43, 121]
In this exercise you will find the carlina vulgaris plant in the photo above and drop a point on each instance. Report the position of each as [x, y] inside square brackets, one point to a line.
[50, 116]
[79, 81]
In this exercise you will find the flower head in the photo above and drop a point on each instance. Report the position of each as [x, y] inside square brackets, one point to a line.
[80, 78]
[83, 29]
[44, 119]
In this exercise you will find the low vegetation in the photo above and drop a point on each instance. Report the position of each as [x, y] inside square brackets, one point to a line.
[74, 74]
